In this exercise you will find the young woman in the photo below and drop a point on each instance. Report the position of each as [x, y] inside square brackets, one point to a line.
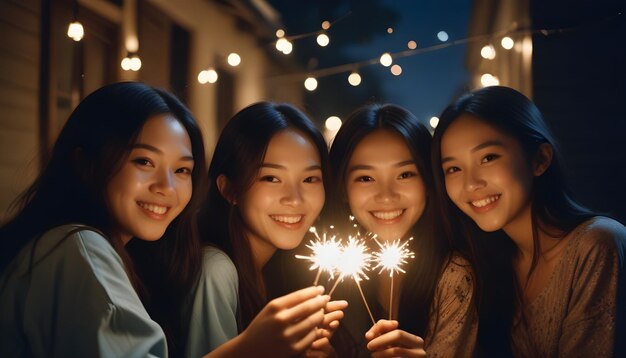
[123, 169]
[380, 161]
[266, 190]
[551, 271]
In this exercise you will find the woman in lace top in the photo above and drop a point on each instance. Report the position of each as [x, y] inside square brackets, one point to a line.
[380, 162]
[550, 270]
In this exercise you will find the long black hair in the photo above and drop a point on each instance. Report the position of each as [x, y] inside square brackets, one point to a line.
[238, 156]
[424, 272]
[91, 148]
[553, 209]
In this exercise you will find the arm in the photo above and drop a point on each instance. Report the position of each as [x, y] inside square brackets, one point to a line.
[453, 324]
[213, 314]
[589, 326]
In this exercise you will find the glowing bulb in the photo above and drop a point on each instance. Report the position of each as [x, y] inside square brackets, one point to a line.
[326, 25]
[212, 75]
[434, 121]
[354, 79]
[288, 48]
[75, 31]
[310, 83]
[126, 64]
[396, 70]
[412, 45]
[280, 33]
[323, 40]
[488, 52]
[135, 63]
[390, 30]
[333, 123]
[489, 80]
[203, 76]
[507, 43]
[234, 59]
[442, 36]
[280, 44]
[385, 59]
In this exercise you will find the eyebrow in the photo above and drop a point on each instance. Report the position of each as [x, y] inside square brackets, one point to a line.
[157, 150]
[369, 167]
[489, 143]
[282, 167]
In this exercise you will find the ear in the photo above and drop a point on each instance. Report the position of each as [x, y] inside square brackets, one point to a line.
[225, 188]
[542, 159]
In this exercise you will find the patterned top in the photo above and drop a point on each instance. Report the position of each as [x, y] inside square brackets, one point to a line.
[575, 314]
[452, 326]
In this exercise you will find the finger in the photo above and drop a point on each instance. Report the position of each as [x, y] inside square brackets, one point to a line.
[396, 338]
[305, 342]
[321, 344]
[296, 297]
[297, 330]
[303, 309]
[381, 327]
[335, 306]
[332, 317]
[399, 352]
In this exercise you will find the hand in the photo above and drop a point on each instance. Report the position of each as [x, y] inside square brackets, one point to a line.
[286, 325]
[321, 347]
[386, 340]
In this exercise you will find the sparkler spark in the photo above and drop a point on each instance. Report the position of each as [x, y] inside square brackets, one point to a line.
[392, 255]
[325, 254]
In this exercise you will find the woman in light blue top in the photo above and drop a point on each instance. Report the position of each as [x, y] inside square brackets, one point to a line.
[123, 169]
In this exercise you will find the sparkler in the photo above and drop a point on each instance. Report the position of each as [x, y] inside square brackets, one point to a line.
[354, 261]
[391, 257]
[325, 254]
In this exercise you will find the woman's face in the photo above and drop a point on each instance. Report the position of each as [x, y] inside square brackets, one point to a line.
[286, 196]
[154, 184]
[385, 191]
[487, 174]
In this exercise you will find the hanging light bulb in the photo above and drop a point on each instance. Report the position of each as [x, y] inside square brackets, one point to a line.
[234, 59]
[326, 25]
[489, 80]
[396, 70]
[354, 79]
[333, 123]
[385, 59]
[323, 39]
[310, 83]
[507, 43]
[126, 64]
[488, 52]
[212, 75]
[75, 31]
[280, 33]
[135, 63]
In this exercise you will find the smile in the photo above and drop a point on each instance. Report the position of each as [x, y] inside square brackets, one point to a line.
[486, 201]
[287, 219]
[387, 215]
[153, 208]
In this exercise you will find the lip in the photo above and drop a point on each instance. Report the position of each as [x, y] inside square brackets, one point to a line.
[387, 217]
[288, 221]
[485, 204]
[154, 210]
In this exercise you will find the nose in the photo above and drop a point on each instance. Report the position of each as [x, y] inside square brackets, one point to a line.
[386, 193]
[473, 180]
[164, 183]
[292, 195]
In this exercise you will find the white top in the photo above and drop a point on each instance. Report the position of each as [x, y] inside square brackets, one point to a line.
[214, 303]
[73, 299]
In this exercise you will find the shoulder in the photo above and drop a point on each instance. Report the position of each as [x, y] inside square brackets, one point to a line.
[457, 277]
[217, 265]
[600, 234]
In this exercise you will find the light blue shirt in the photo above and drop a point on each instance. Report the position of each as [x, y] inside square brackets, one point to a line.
[74, 300]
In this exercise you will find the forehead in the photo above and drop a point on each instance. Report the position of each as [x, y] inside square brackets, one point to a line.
[380, 145]
[468, 131]
[291, 145]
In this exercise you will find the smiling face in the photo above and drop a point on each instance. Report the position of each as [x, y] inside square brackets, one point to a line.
[385, 191]
[286, 196]
[487, 174]
[154, 184]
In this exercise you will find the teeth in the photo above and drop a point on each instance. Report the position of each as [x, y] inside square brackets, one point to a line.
[486, 201]
[154, 208]
[387, 215]
[287, 219]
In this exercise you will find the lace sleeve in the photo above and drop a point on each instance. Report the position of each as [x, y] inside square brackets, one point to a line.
[453, 324]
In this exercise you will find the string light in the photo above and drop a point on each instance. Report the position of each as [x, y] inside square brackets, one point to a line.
[131, 62]
[310, 83]
[386, 59]
[390, 30]
[323, 39]
[234, 59]
[442, 36]
[507, 43]
[333, 123]
[412, 45]
[280, 33]
[488, 52]
[326, 25]
[396, 70]
[434, 121]
[489, 80]
[75, 31]
[354, 79]
[208, 76]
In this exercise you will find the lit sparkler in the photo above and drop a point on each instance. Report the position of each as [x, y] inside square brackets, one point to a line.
[325, 254]
[391, 257]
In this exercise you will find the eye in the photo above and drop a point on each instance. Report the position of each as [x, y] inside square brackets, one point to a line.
[364, 179]
[144, 162]
[451, 170]
[407, 175]
[489, 157]
[269, 179]
[184, 170]
[313, 179]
